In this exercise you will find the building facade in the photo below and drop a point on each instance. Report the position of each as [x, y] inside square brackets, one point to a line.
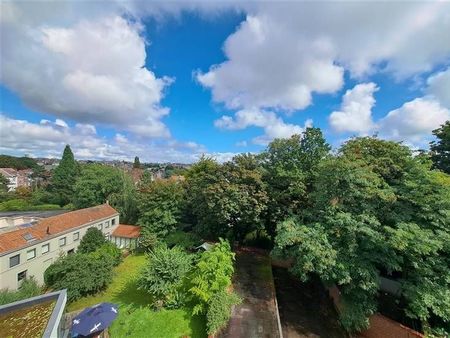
[17, 178]
[126, 236]
[29, 249]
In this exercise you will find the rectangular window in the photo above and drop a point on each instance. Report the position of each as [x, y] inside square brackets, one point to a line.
[31, 254]
[76, 236]
[107, 224]
[14, 260]
[107, 236]
[71, 251]
[62, 241]
[113, 221]
[21, 276]
[100, 226]
[45, 248]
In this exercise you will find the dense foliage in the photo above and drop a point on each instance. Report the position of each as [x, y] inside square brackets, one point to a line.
[64, 177]
[163, 277]
[27, 289]
[440, 149]
[80, 273]
[18, 163]
[219, 310]
[211, 274]
[91, 241]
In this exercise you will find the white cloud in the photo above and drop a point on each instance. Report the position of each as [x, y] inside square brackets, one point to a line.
[439, 87]
[48, 139]
[414, 121]
[274, 126]
[355, 114]
[90, 71]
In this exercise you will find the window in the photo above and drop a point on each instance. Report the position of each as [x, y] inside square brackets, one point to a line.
[21, 276]
[45, 248]
[100, 226]
[113, 221]
[107, 236]
[76, 236]
[31, 254]
[62, 241]
[107, 224]
[71, 251]
[14, 260]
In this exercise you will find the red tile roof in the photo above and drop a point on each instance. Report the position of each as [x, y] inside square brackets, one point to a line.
[51, 226]
[127, 231]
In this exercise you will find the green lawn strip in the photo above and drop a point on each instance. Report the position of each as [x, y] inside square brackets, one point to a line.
[136, 318]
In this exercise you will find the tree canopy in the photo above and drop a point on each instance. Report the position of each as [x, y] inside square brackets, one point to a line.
[440, 149]
[64, 177]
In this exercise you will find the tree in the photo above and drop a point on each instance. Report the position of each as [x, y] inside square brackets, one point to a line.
[164, 275]
[91, 241]
[160, 204]
[374, 209]
[440, 149]
[211, 274]
[97, 184]
[126, 201]
[81, 274]
[64, 177]
[137, 163]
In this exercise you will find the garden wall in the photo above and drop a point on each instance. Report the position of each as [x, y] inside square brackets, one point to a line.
[379, 325]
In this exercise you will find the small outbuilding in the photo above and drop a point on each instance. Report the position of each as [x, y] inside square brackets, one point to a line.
[126, 236]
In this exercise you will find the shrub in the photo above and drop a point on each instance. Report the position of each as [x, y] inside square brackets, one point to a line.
[149, 240]
[91, 241]
[219, 310]
[14, 205]
[111, 250]
[81, 274]
[186, 240]
[211, 274]
[28, 288]
[164, 275]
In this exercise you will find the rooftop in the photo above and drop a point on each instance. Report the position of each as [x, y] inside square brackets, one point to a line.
[127, 231]
[51, 226]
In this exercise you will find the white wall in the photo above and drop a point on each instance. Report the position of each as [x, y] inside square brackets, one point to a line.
[36, 266]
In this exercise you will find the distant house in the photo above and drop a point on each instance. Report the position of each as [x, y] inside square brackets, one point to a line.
[126, 236]
[17, 178]
[29, 248]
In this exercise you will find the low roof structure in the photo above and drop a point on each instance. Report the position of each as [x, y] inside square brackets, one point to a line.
[33, 317]
[127, 231]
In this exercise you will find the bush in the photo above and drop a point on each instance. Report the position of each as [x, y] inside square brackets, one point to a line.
[211, 274]
[186, 240]
[28, 288]
[91, 241]
[149, 240]
[24, 205]
[111, 250]
[219, 310]
[81, 274]
[164, 276]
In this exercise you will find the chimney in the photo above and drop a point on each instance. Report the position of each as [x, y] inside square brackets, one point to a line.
[48, 230]
[107, 202]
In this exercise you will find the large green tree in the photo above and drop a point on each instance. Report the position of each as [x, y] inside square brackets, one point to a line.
[64, 178]
[375, 208]
[97, 184]
[160, 206]
[440, 149]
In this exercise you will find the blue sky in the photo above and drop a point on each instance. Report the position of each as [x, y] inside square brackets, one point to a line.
[172, 82]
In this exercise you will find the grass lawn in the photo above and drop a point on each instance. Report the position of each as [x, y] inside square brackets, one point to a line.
[136, 318]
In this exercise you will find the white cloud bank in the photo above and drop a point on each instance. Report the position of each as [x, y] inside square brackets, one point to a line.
[48, 138]
[91, 71]
[413, 122]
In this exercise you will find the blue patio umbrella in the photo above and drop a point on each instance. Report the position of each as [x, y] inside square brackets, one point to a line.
[94, 319]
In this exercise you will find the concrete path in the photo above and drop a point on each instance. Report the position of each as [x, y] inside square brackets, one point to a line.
[256, 317]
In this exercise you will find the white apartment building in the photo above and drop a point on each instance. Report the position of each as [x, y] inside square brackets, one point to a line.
[29, 249]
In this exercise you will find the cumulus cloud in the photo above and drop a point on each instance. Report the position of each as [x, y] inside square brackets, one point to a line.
[355, 114]
[91, 71]
[274, 126]
[414, 121]
[48, 139]
[439, 87]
